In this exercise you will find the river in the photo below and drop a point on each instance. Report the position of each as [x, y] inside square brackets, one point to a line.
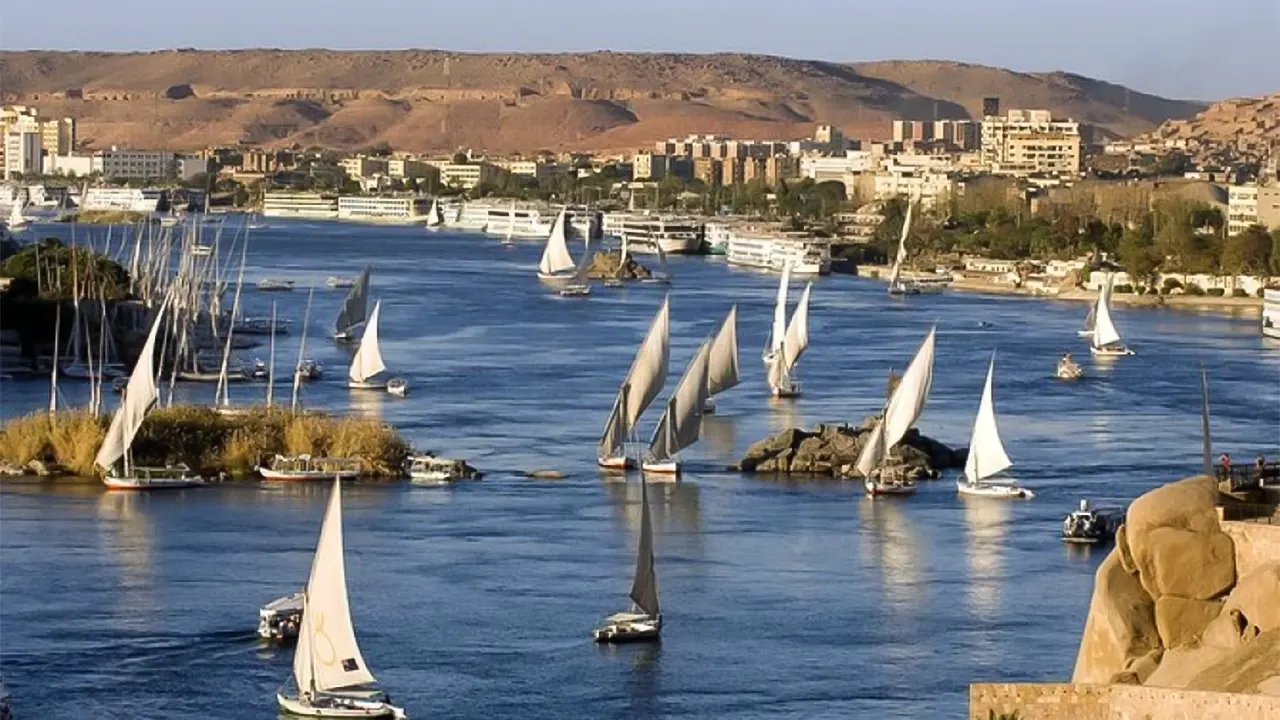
[781, 599]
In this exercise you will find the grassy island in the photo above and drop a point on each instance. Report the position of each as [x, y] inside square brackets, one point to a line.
[205, 440]
[107, 217]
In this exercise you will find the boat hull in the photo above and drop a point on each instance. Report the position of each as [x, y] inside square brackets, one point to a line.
[398, 387]
[709, 407]
[151, 483]
[357, 709]
[787, 392]
[1011, 492]
[290, 475]
[615, 463]
[669, 468]
[877, 488]
[1111, 351]
[631, 629]
[366, 385]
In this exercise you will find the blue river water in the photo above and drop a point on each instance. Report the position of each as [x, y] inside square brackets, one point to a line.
[782, 599]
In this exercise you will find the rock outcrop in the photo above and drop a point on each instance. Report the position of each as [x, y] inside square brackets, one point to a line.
[604, 266]
[833, 450]
[1168, 608]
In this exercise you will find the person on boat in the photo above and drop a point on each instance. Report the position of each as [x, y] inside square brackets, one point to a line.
[1224, 462]
[1259, 469]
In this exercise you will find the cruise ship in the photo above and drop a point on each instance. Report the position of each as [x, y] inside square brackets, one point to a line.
[396, 210]
[520, 220]
[646, 233]
[145, 200]
[317, 206]
[1271, 312]
[805, 254]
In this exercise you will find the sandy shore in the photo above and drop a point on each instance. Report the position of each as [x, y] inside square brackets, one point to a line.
[1237, 306]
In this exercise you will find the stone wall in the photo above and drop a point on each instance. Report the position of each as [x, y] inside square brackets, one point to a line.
[1060, 701]
[1256, 544]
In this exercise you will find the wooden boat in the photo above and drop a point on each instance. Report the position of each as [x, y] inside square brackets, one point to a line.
[305, 467]
[987, 457]
[1105, 340]
[722, 364]
[787, 341]
[643, 623]
[644, 381]
[904, 407]
[897, 285]
[681, 420]
[355, 308]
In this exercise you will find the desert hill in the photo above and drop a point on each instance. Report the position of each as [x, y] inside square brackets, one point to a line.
[427, 100]
[1241, 121]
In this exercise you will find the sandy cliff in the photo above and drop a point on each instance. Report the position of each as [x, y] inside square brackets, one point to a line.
[434, 100]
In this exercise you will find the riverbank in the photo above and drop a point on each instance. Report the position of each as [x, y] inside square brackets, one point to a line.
[106, 217]
[208, 442]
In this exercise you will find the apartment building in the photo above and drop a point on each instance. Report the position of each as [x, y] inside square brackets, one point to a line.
[824, 169]
[649, 166]
[409, 168]
[732, 171]
[530, 168]
[23, 153]
[56, 136]
[707, 169]
[469, 175]
[1030, 142]
[363, 167]
[1253, 204]
[930, 189]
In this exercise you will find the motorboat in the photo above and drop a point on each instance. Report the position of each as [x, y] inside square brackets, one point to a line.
[260, 370]
[575, 290]
[274, 285]
[305, 467]
[279, 620]
[171, 477]
[1089, 525]
[644, 381]
[431, 470]
[398, 386]
[261, 326]
[1068, 369]
[335, 282]
[643, 622]
[310, 369]
[987, 456]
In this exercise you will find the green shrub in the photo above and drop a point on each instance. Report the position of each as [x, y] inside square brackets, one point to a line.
[1170, 283]
[1126, 288]
[1216, 292]
[1194, 289]
[1239, 292]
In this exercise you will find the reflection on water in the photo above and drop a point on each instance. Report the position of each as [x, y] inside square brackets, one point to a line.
[128, 531]
[784, 414]
[986, 522]
[890, 544]
[674, 510]
[368, 403]
[720, 437]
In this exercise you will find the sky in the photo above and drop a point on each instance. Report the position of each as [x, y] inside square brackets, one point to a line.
[1190, 49]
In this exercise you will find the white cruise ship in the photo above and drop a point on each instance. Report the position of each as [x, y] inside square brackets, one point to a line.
[136, 200]
[645, 233]
[318, 206]
[401, 210]
[1271, 312]
[505, 218]
[805, 254]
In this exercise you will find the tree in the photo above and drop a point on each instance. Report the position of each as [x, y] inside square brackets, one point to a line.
[460, 158]
[1137, 255]
[1248, 253]
[47, 266]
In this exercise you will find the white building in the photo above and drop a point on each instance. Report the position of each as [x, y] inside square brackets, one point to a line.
[823, 169]
[1025, 142]
[397, 210]
[300, 204]
[469, 175]
[77, 165]
[23, 152]
[928, 188]
[138, 164]
[530, 168]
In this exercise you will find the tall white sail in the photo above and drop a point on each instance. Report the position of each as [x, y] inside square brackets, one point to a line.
[901, 257]
[328, 657]
[680, 422]
[355, 306]
[798, 331]
[722, 364]
[1104, 330]
[368, 359]
[903, 409]
[779, 330]
[555, 256]
[435, 217]
[644, 381]
[986, 453]
[139, 395]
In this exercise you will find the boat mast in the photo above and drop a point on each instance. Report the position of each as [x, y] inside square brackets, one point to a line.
[302, 349]
[224, 397]
[53, 377]
[1206, 440]
[271, 363]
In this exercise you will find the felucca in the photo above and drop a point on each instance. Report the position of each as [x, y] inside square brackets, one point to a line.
[722, 365]
[330, 676]
[987, 457]
[140, 394]
[367, 365]
[1106, 341]
[682, 419]
[435, 217]
[355, 309]
[556, 262]
[787, 341]
[644, 381]
[896, 285]
[900, 413]
[643, 622]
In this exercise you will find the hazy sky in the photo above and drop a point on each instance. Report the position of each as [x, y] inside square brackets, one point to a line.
[1201, 49]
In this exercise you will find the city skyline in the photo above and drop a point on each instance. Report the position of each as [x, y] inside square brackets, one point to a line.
[1173, 49]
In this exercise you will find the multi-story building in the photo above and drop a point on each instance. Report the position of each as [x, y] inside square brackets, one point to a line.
[120, 164]
[57, 136]
[649, 166]
[1244, 207]
[469, 175]
[72, 165]
[830, 136]
[707, 169]
[753, 169]
[732, 171]
[23, 154]
[823, 169]
[1027, 142]
[780, 167]
[530, 168]
[360, 166]
[408, 168]
[930, 189]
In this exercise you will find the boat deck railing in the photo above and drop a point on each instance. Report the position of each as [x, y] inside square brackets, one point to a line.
[1263, 513]
[1248, 477]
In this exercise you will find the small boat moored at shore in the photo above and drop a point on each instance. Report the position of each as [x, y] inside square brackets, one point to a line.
[279, 620]
[305, 467]
[274, 285]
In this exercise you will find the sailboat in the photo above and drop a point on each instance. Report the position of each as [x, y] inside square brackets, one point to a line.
[367, 365]
[17, 222]
[509, 238]
[1106, 341]
[139, 396]
[1090, 321]
[644, 381]
[643, 622]
[896, 285]
[722, 365]
[987, 457]
[664, 270]
[355, 308]
[787, 341]
[900, 413]
[435, 217]
[616, 280]
[580, 285]
[331, 678]
[556, 262]
[682, 419]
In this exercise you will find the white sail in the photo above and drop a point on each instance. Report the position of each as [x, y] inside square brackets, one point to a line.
[779, 330]
[986, 453]
[904, 407]
[901, 257]
[679, 425]
[644, 381]
[139, 395]
[368, 359]
[722, 365]
[329, 651]
[434, 216]
[555, 256]
[1104, 330]
[798, 331]
[17, 220]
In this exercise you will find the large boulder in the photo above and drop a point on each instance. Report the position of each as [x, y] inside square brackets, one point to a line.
[1181, 621]
[604, 265]
[1197, 566]
[1120, 629]
[830, 449]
